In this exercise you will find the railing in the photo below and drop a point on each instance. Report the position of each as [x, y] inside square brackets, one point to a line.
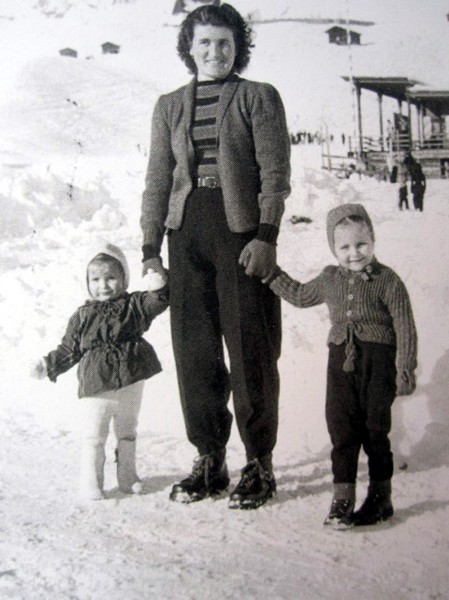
[400, 142]
[378, 156]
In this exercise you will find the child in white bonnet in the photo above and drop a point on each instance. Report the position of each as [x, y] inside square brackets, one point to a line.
[105, 338]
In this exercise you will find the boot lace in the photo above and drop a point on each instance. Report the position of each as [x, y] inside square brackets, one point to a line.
[202, 467]
[339, 508]
[250, 472]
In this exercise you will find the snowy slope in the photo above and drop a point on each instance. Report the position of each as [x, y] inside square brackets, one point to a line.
[73, 156]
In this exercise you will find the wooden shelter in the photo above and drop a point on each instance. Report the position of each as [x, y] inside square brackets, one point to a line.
[110, 48]
[343, 37]
[68, 52]
[186, 6]
[431, 147]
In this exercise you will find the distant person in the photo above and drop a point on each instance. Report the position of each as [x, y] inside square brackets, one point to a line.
[418, 185]
[105, 337]
[372, 359]
[402, 178]
[217, 179]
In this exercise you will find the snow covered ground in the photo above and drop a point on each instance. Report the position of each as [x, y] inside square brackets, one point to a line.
[73, 155]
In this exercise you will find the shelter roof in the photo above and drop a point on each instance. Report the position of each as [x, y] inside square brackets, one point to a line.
[436, 101]
[395, 87]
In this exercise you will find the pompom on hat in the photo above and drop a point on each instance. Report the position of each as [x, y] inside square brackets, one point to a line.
[104, 247]
[338, 213]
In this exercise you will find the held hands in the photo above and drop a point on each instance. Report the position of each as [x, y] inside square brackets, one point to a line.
[405, 383]
[153, 281]
[259, 259]
[38, 370]
[154, 275]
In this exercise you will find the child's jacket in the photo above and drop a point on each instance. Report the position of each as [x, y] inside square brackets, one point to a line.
[374, 307]
[105, 338]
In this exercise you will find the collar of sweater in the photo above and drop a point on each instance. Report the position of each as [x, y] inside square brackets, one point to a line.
[366, 274]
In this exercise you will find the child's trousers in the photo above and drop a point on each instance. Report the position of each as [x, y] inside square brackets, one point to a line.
[122, 407]
[358, 410]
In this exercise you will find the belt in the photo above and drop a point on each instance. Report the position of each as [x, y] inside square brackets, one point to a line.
[208, 181]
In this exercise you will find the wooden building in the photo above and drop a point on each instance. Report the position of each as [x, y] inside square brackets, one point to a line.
[110, 48]
[68, 52]
[186, 6]
[341, 36]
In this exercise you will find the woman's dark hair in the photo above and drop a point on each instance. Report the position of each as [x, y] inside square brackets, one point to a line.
[219, 16]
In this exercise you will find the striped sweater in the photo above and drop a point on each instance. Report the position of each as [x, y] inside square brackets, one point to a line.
[204, 127]
[376, 308]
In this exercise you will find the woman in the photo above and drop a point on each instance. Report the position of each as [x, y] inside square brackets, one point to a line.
[217, 179]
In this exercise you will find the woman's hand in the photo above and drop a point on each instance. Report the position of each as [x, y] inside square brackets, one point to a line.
[154, 265]
[258, 258]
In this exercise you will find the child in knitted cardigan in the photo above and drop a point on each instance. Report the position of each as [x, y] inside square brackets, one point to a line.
[104, 337]
[372, 359]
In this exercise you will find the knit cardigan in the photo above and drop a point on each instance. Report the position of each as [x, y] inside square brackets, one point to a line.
[374, 307]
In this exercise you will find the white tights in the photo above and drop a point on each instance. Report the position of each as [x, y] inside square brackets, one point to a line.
[122, 407]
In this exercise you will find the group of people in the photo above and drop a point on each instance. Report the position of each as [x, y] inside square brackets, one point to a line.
[217, 178]
[410, 170]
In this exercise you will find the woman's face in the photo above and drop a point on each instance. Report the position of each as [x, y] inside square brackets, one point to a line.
[213, 50]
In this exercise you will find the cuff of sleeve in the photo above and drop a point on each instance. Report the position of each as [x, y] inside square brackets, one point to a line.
[149, 252]
[276, 274]
[49, 372]
[267, 233]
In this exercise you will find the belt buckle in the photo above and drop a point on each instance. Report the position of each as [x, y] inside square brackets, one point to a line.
[209, 181]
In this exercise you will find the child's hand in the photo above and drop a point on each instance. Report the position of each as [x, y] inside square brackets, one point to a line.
[153, 281]
[405, 383]
[39, 369]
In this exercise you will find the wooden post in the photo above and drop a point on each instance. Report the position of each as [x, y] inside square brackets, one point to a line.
[420, 125]
[381, 121]
[359, 117]
[409, 114]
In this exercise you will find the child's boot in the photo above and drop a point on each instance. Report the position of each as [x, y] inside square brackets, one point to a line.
[128, 480]
[377, 506]
[92, 471]
[342, 506]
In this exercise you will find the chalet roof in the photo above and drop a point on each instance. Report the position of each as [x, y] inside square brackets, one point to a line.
[395, 87]
[337, 29]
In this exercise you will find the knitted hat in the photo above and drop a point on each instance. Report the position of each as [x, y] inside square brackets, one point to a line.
[338, 213]
[104, 247]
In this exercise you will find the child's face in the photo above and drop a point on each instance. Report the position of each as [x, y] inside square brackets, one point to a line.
[105, 281]
[354, 245]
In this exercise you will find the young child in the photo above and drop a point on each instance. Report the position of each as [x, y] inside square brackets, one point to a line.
[105, 337]
[372, 358]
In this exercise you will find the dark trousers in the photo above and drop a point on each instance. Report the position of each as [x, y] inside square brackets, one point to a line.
[418, 199]
[358, 410]
[403, 197]
[211, 298]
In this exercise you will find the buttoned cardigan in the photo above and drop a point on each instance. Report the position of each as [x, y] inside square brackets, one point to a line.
[374, 307]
